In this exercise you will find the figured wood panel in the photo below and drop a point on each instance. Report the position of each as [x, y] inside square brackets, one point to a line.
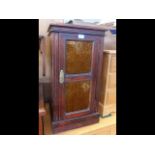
[78, 57]
[77, 95]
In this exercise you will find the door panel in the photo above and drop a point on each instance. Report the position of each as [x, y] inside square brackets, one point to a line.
[78, 56]
[78, 59]
[77, 96]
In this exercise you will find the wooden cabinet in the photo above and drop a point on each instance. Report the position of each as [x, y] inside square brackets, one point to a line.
[107, 103]
[76, 69]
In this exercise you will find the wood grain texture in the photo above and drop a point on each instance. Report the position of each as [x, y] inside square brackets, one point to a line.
[77, 96]
[78, 57]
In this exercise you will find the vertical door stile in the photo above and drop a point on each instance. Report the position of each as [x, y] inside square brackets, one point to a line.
[61, 67]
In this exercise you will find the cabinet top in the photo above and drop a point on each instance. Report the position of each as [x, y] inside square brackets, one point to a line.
[72, 28]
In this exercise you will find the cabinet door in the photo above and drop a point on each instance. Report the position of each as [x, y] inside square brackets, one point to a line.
[78, 74]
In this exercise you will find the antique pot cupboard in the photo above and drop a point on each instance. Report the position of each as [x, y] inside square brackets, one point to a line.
[75, 77]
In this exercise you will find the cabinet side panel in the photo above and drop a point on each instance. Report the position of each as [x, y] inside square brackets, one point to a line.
[99, 71]
[54, 76]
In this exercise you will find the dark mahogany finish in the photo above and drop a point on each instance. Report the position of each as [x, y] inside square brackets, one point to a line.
[60, 34]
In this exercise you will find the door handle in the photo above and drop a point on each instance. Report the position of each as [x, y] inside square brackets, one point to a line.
[61, 76]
